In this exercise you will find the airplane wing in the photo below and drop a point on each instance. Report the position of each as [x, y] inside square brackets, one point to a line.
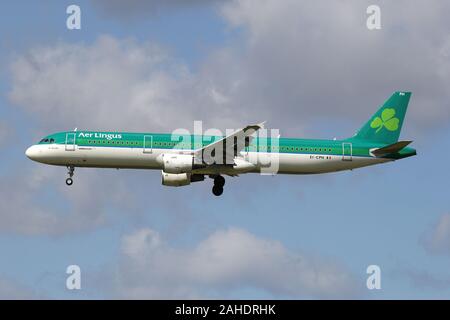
[224, 151]
[392, 148]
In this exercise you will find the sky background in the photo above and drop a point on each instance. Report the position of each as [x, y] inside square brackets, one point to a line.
[309, 68]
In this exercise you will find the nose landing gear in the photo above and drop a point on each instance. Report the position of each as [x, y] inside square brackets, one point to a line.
[69, 181]
[219, 182]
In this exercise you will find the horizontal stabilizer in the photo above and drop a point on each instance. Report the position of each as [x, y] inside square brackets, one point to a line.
[392, 148]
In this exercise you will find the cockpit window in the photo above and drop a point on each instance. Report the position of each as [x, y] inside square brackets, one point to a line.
[46, 140]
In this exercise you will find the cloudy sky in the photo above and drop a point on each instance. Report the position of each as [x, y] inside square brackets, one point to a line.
[309, 68]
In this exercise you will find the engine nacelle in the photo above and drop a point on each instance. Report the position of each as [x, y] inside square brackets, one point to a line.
[180, 179]
[177, 163]
[175, 179]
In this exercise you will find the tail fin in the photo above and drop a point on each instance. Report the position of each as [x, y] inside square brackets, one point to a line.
[386, 123]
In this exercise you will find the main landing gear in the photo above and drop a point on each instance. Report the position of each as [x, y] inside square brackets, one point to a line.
[219, 182]
[69, 180]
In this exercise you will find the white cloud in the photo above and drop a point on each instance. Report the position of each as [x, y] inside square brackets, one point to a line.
[227, 260]
[306, 59]
[437, 240]
[293, 63]
[39, 203]
[112, 84]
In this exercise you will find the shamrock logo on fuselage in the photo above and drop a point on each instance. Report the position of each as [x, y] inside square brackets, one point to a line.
[387, 120]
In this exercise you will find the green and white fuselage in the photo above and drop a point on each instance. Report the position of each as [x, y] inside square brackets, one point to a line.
[376, 142]
[144, 151]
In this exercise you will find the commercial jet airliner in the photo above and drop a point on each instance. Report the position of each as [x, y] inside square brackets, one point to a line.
[184, 159]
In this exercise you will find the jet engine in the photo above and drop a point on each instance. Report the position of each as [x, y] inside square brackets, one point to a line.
[179, 179]
[175, 180]
[177, 163]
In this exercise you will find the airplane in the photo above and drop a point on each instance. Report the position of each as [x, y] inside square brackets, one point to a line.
[189, 158]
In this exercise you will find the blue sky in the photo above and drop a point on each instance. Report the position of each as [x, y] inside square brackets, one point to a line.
[229, 63]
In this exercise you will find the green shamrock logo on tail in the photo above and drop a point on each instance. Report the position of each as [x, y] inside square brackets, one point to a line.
[387, 120]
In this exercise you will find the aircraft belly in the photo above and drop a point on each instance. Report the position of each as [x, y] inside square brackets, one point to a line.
[283, 163]
[104, 157]
[295, 164]
[313, 163]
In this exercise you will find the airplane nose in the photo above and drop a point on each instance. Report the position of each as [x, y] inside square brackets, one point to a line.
[29, 152]
[32, 152]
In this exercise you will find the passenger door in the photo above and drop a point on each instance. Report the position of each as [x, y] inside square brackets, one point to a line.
[347, 151]
[148, 144]
[70, 141]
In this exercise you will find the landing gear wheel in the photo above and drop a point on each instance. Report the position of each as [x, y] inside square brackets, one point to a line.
[217, 190]
[219, 181]
[69, 180]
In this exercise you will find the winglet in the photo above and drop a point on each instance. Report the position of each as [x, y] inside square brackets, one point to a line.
[254, 127]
